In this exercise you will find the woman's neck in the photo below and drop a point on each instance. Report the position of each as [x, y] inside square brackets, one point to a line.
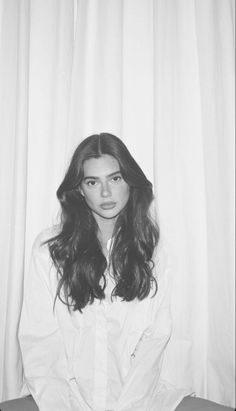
[105, 232]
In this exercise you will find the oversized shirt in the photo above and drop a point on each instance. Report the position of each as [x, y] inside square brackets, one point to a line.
[107, 358]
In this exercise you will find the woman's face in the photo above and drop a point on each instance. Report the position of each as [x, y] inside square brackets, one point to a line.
[104, 190]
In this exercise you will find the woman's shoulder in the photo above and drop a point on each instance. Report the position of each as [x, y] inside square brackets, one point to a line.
[40, 243]
[161, 259]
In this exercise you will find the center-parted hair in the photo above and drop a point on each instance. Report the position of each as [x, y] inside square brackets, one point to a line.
[76, 251]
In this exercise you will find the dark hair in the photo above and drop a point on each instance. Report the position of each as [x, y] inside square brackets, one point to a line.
[76, 251]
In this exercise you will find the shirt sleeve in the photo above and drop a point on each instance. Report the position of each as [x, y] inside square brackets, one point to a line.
[44, 360]
[142, 379]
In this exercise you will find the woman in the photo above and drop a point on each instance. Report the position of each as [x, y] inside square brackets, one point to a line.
[96, 320]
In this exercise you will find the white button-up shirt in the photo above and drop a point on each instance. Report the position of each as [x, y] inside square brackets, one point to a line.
[108, 358]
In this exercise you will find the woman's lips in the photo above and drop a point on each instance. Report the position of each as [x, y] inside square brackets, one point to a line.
[108, 206]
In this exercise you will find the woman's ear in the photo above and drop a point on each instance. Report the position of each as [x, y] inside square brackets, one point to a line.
[81, 191]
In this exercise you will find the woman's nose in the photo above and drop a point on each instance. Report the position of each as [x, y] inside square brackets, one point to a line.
[105, 190]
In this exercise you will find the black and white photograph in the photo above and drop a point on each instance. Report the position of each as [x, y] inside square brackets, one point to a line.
[117, 187]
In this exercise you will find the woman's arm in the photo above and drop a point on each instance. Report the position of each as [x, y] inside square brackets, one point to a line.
[44, 360]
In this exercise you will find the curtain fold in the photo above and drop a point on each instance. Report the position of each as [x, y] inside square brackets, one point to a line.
[96, 86]
[180, 174]
[13, 181]
[215, 43]
[159, 74]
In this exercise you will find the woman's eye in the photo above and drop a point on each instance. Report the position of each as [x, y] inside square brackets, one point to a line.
[91, 183]
[116, 179]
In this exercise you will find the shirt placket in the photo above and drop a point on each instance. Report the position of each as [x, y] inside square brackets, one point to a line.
[100, 369]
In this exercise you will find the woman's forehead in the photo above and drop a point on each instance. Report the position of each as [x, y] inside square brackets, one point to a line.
[101, 166]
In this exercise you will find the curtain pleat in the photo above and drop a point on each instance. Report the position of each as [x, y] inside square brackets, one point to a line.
[13, 181]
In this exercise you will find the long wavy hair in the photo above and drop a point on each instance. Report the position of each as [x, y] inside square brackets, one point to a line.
[76, 251]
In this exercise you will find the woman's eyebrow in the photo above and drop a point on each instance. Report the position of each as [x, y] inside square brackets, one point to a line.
[90, 177]
[97, 178]
[115, 172]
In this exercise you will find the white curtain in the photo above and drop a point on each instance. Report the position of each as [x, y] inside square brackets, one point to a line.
[159, 74]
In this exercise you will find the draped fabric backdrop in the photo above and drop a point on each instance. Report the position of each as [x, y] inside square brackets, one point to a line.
[159, 74]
